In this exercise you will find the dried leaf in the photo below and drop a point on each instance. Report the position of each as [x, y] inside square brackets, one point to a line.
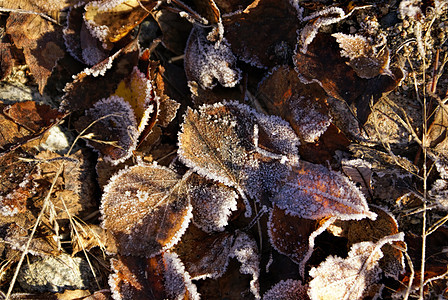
[18, 238]
[110, 20]
[175, 29]
[289, 235]
[41, 42]
[300, 104]
[145, 200]
[212, 203]
[216, 142]
[79, 41]
[360, 172]
[392, 263]
[207, 62]
[159, 277]
[83, 92]
[205, 255]
[287, 290]
[315, 192]
[365, 59]
[275, 23]
[111, 128]
[137, 90]
[33, 116]
[6, 60]
[340, 80]
[75, 190]
[338, 278]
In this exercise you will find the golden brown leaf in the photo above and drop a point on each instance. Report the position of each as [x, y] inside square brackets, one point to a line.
[145, 200]
[41, 42]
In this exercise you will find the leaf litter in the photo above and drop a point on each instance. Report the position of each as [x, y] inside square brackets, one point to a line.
[249, 138]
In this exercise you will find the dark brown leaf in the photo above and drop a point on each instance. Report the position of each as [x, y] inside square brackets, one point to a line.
[275, 24]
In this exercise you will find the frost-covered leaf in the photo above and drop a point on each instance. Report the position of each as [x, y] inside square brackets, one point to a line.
[338, 278]
[79, 41]
[205, 255]
[245, 250]
[316, 20]
[111, 128]
[315, 192]
[287, 290]
[365, 59]
[275, 24]
[385, 224]
[290, 235]
[159, 277]
[41, 41]
[300, 104]
[222, 143]
[146, 209]
[206, 62]
[212, 203]
[110, 20]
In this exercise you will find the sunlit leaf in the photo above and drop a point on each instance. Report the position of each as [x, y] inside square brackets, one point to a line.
[222, 143]
[145, 201]
[110, 20]
[315, 192]
[339, 278]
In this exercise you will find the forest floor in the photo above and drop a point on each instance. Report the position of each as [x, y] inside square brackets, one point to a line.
[222, 149]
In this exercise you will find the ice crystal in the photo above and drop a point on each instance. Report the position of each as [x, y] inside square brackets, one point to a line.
[315, 192]
[206, 62]
[145, 200]
[338, 278]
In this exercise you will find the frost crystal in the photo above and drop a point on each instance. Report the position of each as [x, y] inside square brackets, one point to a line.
[338, 278]
[315, 192]
[205, 62]
[365, 60]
